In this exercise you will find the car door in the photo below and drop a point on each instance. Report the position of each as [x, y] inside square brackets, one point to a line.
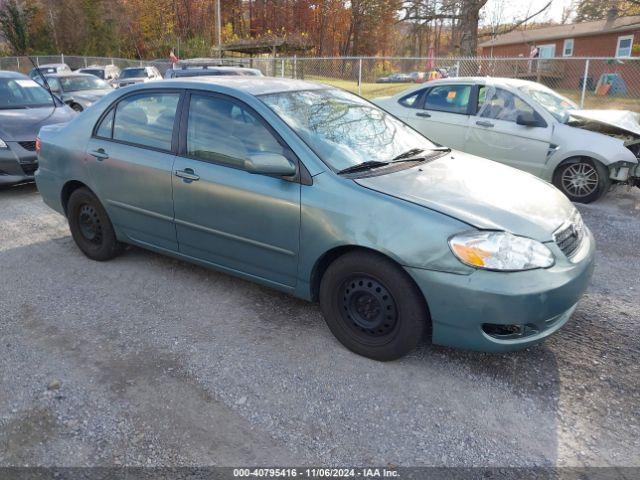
[442, 114]
[494, 133]
[130, 159]
[226, 216]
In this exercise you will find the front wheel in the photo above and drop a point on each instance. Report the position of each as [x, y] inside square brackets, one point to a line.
[583, 181]
[90, 226]
[372, 306]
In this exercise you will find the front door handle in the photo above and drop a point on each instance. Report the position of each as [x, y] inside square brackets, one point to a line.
[482, 123]
[99, 154]
[423, 114]
[188, 175]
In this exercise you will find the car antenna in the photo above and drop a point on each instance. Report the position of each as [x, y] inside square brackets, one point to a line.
[44, 79]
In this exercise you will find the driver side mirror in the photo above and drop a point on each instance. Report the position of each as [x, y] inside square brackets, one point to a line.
[270, 164]
[528, 119]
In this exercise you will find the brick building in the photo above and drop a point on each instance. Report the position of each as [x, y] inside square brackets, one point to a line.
[614, 37]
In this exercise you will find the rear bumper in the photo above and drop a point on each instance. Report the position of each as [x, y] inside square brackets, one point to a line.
[17, 165]
[466, 309]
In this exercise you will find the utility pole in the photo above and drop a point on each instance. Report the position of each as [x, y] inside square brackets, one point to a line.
[219, 28]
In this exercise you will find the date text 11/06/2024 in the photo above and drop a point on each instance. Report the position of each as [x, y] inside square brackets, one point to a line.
[316, 472]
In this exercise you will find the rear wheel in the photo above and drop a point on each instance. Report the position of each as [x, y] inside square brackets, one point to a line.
[372, 306]
[584, 180]
[90, 226]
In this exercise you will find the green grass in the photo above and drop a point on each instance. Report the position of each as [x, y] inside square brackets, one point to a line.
[374, 90]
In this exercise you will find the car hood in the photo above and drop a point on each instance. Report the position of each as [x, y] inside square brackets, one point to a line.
[624, 120]
[480, 192]
[23, 124]
[89, 95]
[132, 80]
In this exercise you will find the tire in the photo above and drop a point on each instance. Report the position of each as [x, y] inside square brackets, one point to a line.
[592, 177]
[372, 306]
[90, 226]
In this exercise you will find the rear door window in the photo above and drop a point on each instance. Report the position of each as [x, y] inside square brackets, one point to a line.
[448, 98]
[146, 119]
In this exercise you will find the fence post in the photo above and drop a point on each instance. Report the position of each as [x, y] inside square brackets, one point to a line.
[295, 66]
[360, 76]
[584, 83]
[458, 68]
[38, 61]
[282, 68]
[18, 62]
[62, 58]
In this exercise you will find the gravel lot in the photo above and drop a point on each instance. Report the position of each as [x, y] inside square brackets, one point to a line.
[150, 361]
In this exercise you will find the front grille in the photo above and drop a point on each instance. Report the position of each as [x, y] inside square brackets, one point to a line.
[31, 146]
[569, 237]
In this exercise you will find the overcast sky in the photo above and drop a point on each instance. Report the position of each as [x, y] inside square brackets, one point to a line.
[508, 10]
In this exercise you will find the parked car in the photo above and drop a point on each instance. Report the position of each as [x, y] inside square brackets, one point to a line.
[133, 75]
[48, 69]
[396, 78]
[78, 90]
[528, 126]
[108, 73]
[199, 71]
[24, 108]
[316, 192]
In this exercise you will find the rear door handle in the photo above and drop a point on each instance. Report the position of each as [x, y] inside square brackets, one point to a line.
[423, 114]
[187, 174]
[482, 123]
[100, 154]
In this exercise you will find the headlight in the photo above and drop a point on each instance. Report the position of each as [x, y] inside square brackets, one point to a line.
[2, 144]
[500, 251]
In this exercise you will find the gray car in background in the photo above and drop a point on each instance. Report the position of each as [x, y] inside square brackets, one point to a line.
[78, 90]
[133, 75]
[108, 73]
[24, 107]
[48, 69]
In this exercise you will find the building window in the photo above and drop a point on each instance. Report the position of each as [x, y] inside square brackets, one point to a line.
[567, 50]
[624, 46]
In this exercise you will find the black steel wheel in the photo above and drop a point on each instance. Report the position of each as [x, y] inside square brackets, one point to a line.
[368, 308]
[90, 226]
[372, 306]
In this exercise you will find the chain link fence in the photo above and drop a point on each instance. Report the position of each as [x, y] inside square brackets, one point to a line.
[590, 82]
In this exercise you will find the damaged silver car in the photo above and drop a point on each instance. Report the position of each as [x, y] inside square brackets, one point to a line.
[528, 126]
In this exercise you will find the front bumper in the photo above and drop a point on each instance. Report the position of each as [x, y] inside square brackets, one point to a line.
[17, 164]
[540, 300]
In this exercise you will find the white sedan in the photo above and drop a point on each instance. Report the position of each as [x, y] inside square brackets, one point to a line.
[528, 126]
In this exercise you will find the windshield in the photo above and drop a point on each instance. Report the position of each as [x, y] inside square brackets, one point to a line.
[343, 129]
[22, 93]
[552, 102]
[96, 72]
[79, 83]
[134, 73]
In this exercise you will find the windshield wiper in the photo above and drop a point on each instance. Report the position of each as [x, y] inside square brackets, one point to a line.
[409, 153]
[368, 165]
[416, 154]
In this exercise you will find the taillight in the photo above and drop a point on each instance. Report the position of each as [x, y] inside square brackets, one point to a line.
[38, 144]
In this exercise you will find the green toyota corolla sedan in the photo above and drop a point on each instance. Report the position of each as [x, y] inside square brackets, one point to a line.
[316, 192]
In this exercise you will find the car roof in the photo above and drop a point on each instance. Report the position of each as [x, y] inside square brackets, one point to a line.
[495, 81]
[247, 84]
[512, 82]
[10, 74]
[69, 74]
[53, 65]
